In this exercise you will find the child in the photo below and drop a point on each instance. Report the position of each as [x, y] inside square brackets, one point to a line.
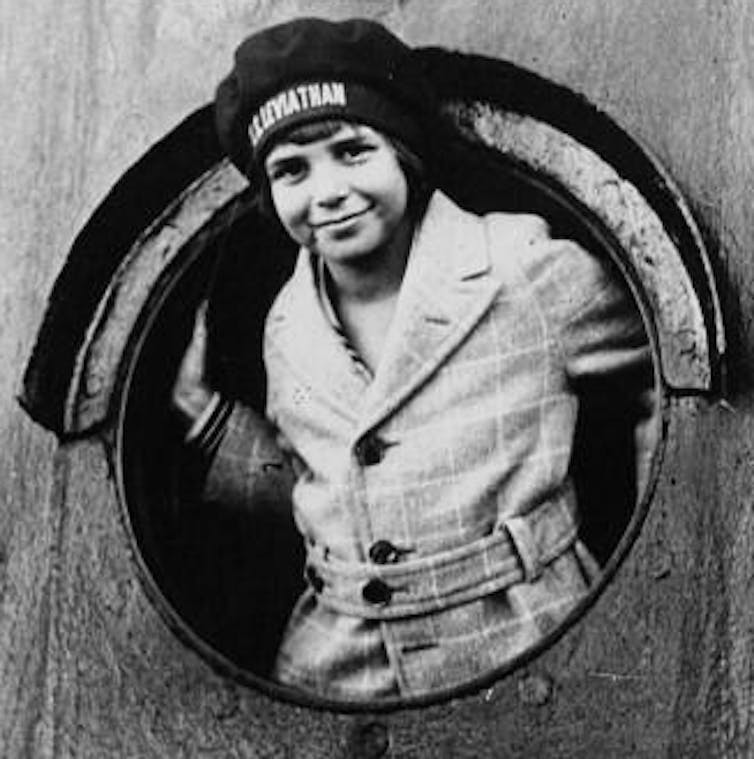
[421, 364]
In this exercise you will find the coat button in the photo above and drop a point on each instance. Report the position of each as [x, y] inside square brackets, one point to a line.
[383, 552]
[377, 593]
[370, 450]
[314, 579]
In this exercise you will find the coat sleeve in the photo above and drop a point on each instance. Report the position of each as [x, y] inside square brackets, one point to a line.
[245, 463]
[585, 301]
[240, 459]
[604, 343]
[600, 328]
[595, 328]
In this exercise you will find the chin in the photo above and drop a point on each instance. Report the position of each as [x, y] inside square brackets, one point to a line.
[347, 250]
[344, 255]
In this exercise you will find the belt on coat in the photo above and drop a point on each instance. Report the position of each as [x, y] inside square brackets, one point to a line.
[517, 551]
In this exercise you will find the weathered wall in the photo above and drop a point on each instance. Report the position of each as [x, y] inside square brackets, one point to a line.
[660, 667]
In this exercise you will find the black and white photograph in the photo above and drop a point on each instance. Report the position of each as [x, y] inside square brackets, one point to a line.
[377, 379]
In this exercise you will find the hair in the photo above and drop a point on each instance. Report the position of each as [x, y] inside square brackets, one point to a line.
[417, 176]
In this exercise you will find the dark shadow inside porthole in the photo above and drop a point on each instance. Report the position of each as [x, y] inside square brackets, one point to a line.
[233, 573]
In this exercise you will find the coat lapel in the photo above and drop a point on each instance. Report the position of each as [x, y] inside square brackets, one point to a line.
[446, 289]
[299, 333]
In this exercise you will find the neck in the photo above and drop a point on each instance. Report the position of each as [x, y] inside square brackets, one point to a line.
[374, 277]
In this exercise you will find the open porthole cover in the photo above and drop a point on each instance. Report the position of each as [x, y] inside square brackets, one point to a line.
[111, 297]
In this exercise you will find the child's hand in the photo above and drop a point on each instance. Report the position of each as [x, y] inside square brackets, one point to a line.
[191, 393]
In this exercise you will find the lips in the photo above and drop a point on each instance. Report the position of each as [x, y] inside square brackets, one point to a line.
[340, 220]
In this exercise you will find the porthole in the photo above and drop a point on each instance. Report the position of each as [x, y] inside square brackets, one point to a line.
[226, 580]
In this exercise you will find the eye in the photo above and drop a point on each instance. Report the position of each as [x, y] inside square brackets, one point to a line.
[288, 170]
[354, 151]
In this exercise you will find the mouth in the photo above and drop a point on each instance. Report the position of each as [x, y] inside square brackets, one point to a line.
[340, 221]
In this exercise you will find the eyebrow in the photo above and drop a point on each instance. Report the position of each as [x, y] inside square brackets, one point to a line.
[277, 161]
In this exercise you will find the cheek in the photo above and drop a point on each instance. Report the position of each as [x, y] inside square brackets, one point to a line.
[289, 207]
[396, 185]
[395, 195]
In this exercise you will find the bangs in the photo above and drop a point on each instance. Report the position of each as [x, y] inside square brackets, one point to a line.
[303, 134]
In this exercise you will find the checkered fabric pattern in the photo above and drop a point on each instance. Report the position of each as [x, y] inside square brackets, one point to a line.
[463, 437]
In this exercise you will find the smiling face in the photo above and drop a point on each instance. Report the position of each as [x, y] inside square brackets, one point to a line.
[344, 196]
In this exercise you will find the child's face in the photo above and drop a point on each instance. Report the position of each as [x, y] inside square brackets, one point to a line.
[343, 196]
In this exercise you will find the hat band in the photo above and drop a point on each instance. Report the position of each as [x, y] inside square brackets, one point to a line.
[310, 101]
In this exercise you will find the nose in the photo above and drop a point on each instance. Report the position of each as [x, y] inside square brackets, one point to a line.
[329, 187]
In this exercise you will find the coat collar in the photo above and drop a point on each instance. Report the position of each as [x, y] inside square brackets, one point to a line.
[299, 333]
[446, 289]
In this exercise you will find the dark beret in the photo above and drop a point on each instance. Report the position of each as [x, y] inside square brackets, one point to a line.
[309, 69]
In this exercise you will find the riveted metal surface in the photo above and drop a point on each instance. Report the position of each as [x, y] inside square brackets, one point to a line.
[661, 666]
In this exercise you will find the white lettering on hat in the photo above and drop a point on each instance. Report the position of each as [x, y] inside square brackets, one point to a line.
[315, 95]
[297, 99]
[303, 96]
[255, 129]
[333, 93]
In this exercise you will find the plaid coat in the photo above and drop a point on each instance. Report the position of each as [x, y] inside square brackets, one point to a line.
[435, 501]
